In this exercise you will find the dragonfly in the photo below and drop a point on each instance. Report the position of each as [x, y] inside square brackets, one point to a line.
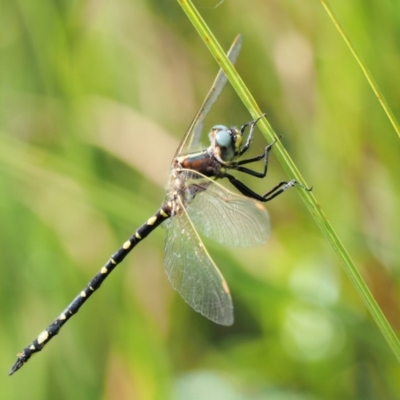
[195, 202]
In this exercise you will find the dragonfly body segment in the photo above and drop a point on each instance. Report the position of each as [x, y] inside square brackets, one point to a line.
[53, 329]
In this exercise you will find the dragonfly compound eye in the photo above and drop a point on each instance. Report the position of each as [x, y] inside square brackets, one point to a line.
[223, 136]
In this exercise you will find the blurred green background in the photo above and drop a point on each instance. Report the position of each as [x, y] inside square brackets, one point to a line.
[94, 98]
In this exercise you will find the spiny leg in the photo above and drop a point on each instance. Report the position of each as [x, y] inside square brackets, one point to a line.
[237, 165]
[252, 125]
[276, 191]
[282, 187]
[52, 330]
[245, 190]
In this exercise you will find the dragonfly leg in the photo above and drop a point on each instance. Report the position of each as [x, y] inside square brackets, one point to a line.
[274, 192]
[252, 125]
[245, 190]
[282, 187]
[237, 166]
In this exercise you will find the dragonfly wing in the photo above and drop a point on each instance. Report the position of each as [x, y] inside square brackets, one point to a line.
[228, 218]
[193, 134]
[193, 273]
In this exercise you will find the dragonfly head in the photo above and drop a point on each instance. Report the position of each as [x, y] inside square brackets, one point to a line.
[225, 141]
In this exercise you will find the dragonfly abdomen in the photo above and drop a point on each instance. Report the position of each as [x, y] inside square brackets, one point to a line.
[52, 330]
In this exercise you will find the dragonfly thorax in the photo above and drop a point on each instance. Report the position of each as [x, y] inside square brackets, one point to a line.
[225, 142]
[189, 172]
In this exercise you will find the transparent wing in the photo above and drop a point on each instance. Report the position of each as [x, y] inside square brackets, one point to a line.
[193, 134]
[228, 218]
[193, 273]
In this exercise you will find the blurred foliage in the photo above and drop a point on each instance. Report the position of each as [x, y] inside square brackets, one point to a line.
[94, 97]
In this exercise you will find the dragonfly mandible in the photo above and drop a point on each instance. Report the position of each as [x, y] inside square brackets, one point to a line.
[195, 201]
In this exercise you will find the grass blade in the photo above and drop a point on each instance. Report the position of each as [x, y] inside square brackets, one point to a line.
[363, 67]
